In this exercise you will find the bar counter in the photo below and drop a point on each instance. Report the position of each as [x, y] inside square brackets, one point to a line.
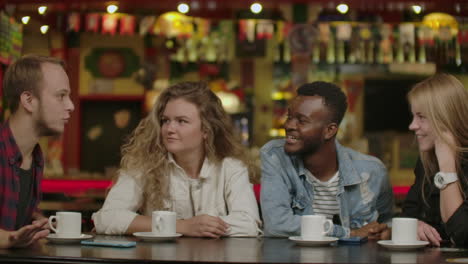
[225, 250]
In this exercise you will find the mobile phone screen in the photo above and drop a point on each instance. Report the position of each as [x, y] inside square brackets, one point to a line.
[109, 243]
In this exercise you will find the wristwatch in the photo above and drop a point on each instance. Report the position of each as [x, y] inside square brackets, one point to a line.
[442, 179]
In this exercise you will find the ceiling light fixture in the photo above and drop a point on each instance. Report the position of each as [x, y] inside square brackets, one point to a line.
[195, 5]
[25, 19]
[41, 10]
[256, 8]
[111, 9]
[44, 29]
[342, 8]
[183, 8]
[211, 5]
[416, 9]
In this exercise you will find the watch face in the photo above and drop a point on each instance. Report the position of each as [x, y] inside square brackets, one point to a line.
[439, 180]
[442, 179]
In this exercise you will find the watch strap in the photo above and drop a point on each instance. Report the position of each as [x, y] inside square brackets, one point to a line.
[449, 177]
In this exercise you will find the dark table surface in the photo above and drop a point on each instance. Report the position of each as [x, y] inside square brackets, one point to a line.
[227, 250]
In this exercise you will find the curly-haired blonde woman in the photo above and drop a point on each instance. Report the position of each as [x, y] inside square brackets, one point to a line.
[183, 157]
[438, 197]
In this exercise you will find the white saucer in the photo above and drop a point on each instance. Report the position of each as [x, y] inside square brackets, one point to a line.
[149, 236]
[308, 242]
[390, 245]
[67, 240]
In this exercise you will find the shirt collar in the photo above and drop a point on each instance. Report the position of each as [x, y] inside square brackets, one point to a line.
[348, 173]
[11, 148]
[13, 151]
[205, 170]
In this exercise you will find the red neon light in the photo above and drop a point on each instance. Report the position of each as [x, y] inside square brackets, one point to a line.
[72, 186]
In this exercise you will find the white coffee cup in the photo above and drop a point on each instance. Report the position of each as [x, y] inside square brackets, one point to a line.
[163, 223]
[68, 224]
[313, 227]
[404, 230]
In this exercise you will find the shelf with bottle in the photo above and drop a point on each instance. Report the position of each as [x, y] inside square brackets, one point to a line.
[281, 93]
[346, 42]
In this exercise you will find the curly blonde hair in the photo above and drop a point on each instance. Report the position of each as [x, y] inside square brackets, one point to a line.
[443, 100]
[144, 152]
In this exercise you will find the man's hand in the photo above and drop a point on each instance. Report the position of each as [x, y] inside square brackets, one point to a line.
[372, 230]
[203, 226]
[428, 233]
[25, 236]
[380, 232]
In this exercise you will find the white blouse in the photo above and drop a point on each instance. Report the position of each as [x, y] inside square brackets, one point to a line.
[222, 190]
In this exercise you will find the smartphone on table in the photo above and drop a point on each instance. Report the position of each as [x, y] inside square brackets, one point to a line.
[356, 240]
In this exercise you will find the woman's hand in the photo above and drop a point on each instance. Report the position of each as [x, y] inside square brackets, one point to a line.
[445, 152]
[428, 233]
[203, 226]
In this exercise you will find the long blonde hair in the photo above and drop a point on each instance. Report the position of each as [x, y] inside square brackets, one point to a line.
[444, 101]
[146, 154]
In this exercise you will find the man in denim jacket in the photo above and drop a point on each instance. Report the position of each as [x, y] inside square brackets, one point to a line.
[309, 172]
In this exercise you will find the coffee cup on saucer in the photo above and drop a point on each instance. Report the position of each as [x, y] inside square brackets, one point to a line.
[315, 227]
[404, 230]
[68, 224]
[163, 223]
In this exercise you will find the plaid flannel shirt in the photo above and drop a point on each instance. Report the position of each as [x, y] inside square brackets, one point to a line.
[10, 162]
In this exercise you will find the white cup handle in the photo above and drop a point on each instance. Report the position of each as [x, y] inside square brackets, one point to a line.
[51, 218]
[330, 226]
[158, 223]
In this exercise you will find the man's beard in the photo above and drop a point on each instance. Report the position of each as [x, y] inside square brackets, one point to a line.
[42, 128]
[309, 148]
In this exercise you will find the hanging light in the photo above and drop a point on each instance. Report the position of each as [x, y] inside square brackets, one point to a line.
[169, 44]
[41, 10]
[195, 5]
[183, 8]
[211, 5]
[416, 9]
[256, 8]
[111, 9]
[25, 19]
[342, 8]
[437, 20]
[44, 29]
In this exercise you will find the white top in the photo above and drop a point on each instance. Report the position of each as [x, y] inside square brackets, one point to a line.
[325, 202]
[222, 190]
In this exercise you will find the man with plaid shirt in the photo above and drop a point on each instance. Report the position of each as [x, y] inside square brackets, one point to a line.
[38, 93]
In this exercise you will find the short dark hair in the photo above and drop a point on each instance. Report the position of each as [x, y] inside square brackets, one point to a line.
[25, 74]
[332, 95]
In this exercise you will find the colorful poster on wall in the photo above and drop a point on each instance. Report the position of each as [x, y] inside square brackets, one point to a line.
[11, 39]
[112, 62]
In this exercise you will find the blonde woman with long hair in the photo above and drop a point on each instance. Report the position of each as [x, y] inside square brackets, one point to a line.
[183, 157]
[438, 197]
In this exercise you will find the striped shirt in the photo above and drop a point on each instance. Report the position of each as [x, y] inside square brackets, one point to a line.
[325, 202]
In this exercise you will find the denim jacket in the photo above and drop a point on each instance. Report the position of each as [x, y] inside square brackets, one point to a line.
[364, 193]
